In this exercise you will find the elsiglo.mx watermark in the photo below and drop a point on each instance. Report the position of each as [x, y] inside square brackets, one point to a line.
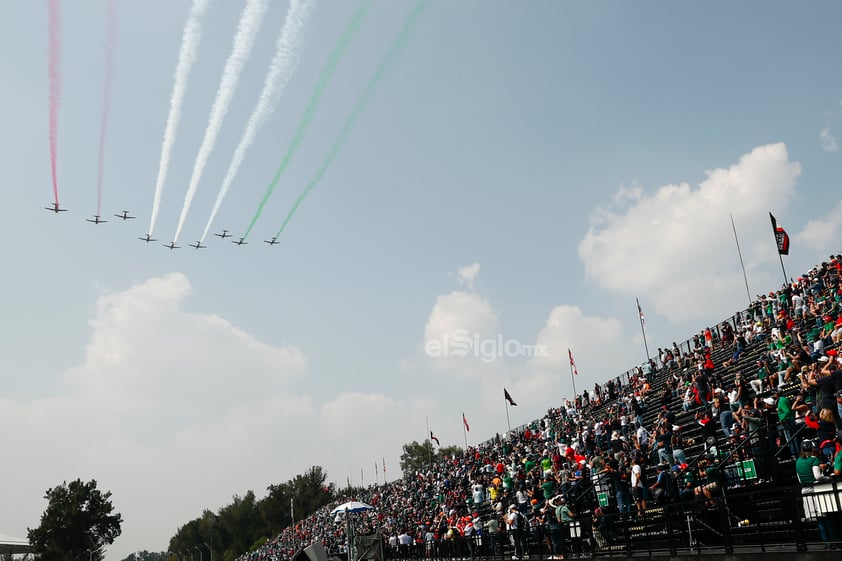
[460, 342]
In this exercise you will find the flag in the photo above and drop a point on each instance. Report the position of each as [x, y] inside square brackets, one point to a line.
[433, 437]
[640, 311]
[572, 362]
[781, 237]
[465, 422]
[508, 397]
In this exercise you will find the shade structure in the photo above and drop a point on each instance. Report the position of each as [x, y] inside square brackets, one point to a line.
[12, 545]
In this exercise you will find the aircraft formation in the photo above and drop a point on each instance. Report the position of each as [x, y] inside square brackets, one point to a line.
[280, 71]
[125, 215]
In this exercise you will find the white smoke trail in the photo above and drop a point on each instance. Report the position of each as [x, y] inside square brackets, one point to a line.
[281, 69]
[187, 55]
[247, 30]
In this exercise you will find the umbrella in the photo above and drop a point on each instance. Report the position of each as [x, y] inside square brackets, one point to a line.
[352, 506]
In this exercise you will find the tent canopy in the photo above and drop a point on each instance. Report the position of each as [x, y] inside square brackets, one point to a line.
[353, 506]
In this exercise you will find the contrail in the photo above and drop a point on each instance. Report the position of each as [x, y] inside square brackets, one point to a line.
[247, 30]
[358, 108]
[187, 55]
[55, 85]
[281, 69]
[106, 98]
[324, 78]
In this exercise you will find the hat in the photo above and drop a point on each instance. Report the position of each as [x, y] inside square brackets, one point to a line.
[838, 393]
[832, 352]
[823, 359]
[768, 401]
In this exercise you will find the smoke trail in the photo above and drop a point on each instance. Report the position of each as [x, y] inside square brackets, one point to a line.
[247, 30]
[186, 56]
[324, 78]
[55, 86]
[281, 69]
[358, 108]
[106, 98]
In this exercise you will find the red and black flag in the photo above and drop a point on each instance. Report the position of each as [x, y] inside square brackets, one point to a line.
[508, 397]
[781, 237]
[434, 437]
[465, 422]
[572, 362]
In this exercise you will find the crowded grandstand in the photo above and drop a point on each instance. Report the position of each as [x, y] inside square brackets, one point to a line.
[728, 440]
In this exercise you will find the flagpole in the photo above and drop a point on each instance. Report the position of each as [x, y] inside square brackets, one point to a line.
[640, 316]
[508, 423]
[573, 380]
[745, 278]
[429, 441]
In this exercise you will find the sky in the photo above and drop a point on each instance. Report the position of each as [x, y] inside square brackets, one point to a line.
[521, 173]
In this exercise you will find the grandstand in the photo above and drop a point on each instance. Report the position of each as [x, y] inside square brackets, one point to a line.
[700, 452]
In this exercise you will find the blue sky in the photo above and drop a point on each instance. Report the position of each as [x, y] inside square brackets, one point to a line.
[581, 154]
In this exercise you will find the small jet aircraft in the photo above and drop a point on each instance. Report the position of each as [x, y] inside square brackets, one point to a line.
[125, 215]
[55, 208]
[171, 245]
[198, 245]
[273, 241]
[96, 220]
[224, 234]
[241, 241]
[148, 238]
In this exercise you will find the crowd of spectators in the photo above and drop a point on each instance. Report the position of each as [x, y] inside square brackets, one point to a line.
[763, 385]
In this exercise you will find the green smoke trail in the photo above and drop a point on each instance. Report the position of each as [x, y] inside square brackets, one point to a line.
[358, 108]
[324, 78]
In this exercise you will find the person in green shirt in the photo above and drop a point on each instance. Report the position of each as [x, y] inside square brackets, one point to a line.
[809, 471]
[786, 421]
[548, 487]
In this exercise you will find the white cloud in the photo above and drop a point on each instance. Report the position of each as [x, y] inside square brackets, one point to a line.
[675, 246]
[467, 275]
[822, 233]
[184, 410]
[567, 327]
[827, 140]
[457, 322]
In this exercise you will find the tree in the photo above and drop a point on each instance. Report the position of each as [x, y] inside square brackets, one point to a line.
[78, 521]
[417, 456]
[308, 493]
[147, 556]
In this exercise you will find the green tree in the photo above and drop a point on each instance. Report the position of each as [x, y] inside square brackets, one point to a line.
[147, 556]
[79, 520]
[417, 456]
[308, 492]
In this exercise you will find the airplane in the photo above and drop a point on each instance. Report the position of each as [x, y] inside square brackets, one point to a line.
[198, 245]
[171, 245]
[96, 220]
[55, 208]
[125, 215]
[148, 238]
[242, 241]
[273, 241]
[224, 234]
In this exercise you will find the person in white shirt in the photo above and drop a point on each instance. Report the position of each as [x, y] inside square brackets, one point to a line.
[638, 489]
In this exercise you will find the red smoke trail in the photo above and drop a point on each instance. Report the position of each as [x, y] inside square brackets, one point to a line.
[106, 100]
[55, 85]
